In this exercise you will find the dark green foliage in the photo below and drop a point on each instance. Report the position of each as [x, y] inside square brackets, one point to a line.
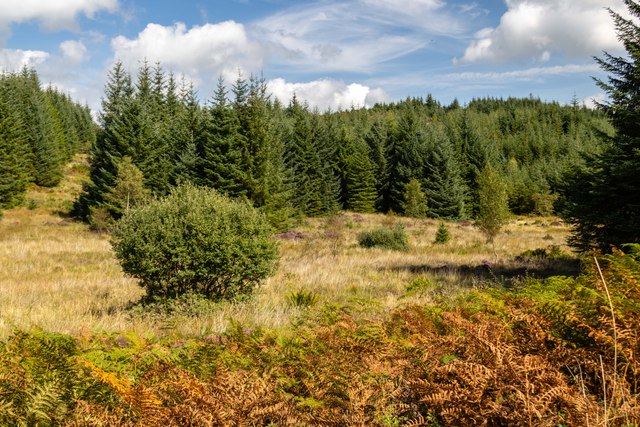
[386, 238]
[443, 184]
[603, 199]
[14, 153]
[293, 161]
[40, 130]
[114, 141]
[357, 171]
[198, 241]
[442, 234]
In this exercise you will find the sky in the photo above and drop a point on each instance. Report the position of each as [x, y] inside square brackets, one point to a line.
[334, 54]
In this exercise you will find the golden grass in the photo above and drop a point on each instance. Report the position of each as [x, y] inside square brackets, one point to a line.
[58, 275]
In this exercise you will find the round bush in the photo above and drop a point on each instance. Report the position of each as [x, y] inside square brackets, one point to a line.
[196, 241]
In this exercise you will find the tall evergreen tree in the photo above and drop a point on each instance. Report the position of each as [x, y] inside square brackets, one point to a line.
[359, 192]
[443, 184]
[14, 154]
[603, 200]
[112, 143]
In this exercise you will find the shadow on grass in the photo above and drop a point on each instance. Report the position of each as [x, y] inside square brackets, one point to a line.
[507, 273]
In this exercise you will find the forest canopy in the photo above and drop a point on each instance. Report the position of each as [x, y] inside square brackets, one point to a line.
[291, 161]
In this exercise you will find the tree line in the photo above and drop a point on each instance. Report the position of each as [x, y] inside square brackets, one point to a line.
[290, 160]
[40, 130]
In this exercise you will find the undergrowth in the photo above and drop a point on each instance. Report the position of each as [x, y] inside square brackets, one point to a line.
[547, 354]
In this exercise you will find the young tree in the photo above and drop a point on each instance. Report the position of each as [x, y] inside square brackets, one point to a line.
[415, 201]
[493, 205]
[603, 200]
[128, 191]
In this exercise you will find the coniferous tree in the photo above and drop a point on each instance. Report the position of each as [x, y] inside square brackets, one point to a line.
[443, 182]
[603, 200]
[14, 154]
[47, 145]
[219, 151]
[359, 180]
[112, 143]
[415, 201]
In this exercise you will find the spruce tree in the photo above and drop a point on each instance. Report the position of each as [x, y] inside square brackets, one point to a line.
[360, 183]
[603, 199]
[443, 182]
[14, 153]
[219, 153]
[113, 141]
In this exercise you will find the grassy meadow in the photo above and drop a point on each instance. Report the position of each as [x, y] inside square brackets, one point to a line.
[439, 335]
[58, 275]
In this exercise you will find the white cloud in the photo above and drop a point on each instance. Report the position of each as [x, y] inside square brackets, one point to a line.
[593, 100]
[528, 74]
[200, 53]
[538, 29]
[325, 94]
[14, 59]
[74, 51]
[355, 35]
[52, 14]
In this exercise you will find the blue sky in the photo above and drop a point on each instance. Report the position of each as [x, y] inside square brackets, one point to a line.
[334, 54]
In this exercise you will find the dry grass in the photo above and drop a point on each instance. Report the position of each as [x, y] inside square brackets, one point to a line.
[57, 275]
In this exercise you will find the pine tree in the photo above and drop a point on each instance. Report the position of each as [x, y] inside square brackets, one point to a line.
[219, 151]
[14, 154]
[113, 141]
[443, 183]
[47, 145]
[360, 183]
[603, 200]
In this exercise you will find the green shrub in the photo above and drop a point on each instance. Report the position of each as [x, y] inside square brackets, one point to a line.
[196, 241]
[394, 239]
[442, 235]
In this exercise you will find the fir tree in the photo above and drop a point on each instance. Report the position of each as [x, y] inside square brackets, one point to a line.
[112, 143]
[603, 200]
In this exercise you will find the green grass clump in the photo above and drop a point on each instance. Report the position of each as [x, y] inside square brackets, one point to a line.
[394, 239]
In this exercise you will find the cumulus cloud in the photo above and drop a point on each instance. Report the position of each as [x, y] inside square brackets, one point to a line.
[593, 100]
[200, 53]
[52, 14]
[538, 29]
[326, 94]
[74, 51]
[14, 59]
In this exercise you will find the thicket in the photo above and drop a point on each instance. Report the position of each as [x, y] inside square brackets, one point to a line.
[563, 351]
[409, 157]
[40, 130]
[195, 241]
